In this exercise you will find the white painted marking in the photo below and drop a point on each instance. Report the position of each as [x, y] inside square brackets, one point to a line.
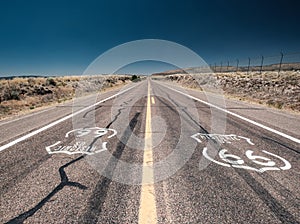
[205, 154]
[68, 149]
[257, 159]
[98, 132]
[152, 100]
[236, 160]
[238, 163]
[286, 166]
[220, 138]
[240, 117]
[59, 121]
[81, 146]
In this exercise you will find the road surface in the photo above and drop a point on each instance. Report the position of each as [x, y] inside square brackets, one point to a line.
[151, 153]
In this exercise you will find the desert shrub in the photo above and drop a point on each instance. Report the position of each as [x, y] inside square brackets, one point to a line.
[51, 81]
[135, 78]
[275, 103]
[14, 95]
[29, 93]
[31, 81]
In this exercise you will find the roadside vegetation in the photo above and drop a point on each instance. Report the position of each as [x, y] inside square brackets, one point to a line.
[135, 78]
[278, 90]
[22, 94]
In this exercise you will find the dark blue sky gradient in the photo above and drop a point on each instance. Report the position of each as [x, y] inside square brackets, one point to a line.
[64, 37]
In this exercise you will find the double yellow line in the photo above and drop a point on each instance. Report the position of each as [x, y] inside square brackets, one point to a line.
[147, 212]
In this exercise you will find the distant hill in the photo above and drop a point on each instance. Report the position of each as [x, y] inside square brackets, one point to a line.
[22, 76]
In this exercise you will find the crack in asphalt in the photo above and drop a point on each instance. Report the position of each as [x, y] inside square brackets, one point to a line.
[100, 192]
[64, 178]
[64, 181]
[274, 205]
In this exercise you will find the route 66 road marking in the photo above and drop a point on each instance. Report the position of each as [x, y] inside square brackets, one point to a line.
[231, 160]
[86, 141]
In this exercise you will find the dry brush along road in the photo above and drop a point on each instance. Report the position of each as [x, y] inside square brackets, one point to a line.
[151, 152]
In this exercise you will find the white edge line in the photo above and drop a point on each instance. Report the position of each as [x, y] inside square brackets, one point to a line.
[240, 117]
[58, 121]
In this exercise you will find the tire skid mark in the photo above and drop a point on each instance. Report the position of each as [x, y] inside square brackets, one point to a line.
[99, 194]
[274, 205]
[64, 181]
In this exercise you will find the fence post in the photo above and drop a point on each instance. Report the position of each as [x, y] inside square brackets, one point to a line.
[221, 66]
[261, 65]
[249, 60]
[227, 65]
[215, 67]
[280, 63]
[9, 89]
[237, 65]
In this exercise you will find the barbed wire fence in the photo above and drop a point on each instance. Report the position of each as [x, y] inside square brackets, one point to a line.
[275, 63]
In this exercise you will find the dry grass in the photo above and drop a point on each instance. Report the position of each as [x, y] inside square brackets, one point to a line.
[20, 94]
[281, 91]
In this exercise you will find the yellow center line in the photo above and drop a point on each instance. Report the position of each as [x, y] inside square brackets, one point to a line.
[147, 212]
[153, 100]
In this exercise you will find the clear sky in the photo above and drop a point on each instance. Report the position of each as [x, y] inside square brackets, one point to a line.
[64, 37]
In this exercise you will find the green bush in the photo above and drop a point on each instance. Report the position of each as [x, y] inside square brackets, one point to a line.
[135, 78]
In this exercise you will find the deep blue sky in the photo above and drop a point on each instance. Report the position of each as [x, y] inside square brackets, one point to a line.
[64, 37]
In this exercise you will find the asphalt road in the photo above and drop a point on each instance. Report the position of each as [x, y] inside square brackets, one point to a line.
[153, 153]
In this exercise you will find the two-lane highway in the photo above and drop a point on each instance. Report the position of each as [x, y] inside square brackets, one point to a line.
[151, 153]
